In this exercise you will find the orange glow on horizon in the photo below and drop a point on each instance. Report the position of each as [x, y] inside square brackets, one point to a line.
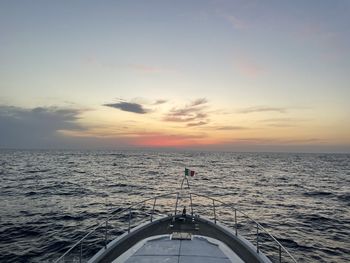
[171, 141]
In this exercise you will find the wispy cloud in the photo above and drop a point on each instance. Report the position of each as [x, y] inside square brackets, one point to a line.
[192, 112]
[263, 109]
[280, 120]
[283, 122]
[200, 101]
[160, 101]
[128, 106]
[278, 141]
[229, 128]
[193, 124]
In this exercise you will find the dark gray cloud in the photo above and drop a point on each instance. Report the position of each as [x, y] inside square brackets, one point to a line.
[158, 102]
[193, 124]
[263, 109]
[128, 106]
[36, 127]
[193, 112]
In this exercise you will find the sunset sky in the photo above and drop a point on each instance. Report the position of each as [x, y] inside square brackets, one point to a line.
[209, 75]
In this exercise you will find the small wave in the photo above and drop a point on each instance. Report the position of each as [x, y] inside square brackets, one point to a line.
[290, 243]
[344, 197]
[20, 231]
[319, 221]
[30, 193]
[26, 213]
[120, 155]
[70, 217]
[118, 185]
[333, 252]
[79, 171]
[317, 193]
[76, 217]
[37, 171]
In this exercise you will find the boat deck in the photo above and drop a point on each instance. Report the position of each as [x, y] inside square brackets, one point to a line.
[164, 248]
[178, 238]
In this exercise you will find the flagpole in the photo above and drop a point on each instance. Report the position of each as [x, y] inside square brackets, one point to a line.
[183, 180]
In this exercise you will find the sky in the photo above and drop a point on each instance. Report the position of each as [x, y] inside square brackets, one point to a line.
[221, 75]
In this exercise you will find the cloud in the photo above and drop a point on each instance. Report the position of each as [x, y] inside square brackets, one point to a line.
[128, 106]
[229, 128]
[262, 109]
[158, 102]
[279, 120]
[36, 127]
[225, 127]
[200, 101]
[278, 141]
[283, 122]
[193, 124]
[192, 112]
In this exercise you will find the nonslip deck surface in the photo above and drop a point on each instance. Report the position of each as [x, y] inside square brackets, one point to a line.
[163, 249]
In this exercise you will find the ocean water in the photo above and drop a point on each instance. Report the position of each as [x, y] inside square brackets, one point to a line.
[50, 199]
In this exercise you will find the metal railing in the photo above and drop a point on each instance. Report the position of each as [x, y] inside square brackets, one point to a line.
[259, 228]
[105, 224]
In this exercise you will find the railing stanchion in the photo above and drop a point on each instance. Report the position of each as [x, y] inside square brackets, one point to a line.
[191, 204]
[106, 233]
[257, 238]
[129, 220]
[280, 253]
[214, 211]
[154, 204]
[236, 221]
[81, 251]
[177, 198]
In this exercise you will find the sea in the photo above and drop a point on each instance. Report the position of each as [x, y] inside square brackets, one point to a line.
[50, 199]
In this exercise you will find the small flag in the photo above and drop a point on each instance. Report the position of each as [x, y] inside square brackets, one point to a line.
[189, 172]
